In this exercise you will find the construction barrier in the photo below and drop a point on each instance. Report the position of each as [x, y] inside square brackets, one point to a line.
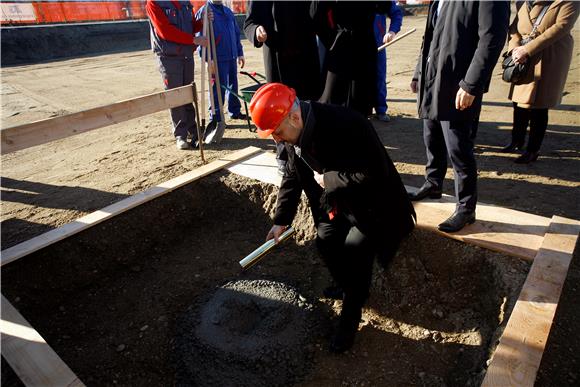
[18, 13]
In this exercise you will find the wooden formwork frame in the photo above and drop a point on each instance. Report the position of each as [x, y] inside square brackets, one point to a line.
[548, 243]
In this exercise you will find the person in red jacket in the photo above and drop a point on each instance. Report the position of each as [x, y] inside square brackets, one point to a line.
[173, 40]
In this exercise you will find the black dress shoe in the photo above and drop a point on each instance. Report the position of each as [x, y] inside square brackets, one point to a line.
[457, 221]
[527, 157]
[333, 292]
[427, 190]
[343, 339]
[512, 146]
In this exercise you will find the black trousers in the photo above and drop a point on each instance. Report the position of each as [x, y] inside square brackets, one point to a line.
[537, 119]
[349, 253]
[456, 139]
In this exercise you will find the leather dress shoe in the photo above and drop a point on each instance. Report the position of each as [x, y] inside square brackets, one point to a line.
[343, 339]
[527, 157]
[426, 191]
[512, 146]
[457, 221]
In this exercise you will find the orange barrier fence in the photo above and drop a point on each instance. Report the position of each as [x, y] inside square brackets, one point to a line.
[54, 12]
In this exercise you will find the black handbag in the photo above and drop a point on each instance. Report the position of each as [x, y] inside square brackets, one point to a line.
[517, 74]
[512, 72]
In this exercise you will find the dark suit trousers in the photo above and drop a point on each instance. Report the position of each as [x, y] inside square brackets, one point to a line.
[453, 138]
[348, 254]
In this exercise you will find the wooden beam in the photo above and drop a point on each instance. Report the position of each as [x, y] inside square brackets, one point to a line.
[31, 358]
[41, 132]
[518, 355]
[15, 252]
[500, 229]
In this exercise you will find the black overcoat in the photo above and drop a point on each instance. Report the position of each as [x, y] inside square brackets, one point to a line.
[460, 48]
[290, 52]
[360, 179]
[346, 29]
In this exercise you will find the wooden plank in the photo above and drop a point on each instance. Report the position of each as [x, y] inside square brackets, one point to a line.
[261, 166]
[41, 132]
[31, 358]
[15, 252]
[500, 229]
[518, 355]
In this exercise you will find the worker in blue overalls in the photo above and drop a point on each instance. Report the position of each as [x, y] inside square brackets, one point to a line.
[383, 36]
[229, 53]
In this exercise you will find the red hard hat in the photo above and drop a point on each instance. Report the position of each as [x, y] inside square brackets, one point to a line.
[269, 105]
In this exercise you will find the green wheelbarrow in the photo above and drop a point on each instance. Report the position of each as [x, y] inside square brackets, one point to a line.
[246, 93]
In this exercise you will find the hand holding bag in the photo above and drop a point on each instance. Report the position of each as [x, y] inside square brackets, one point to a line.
[517, 73]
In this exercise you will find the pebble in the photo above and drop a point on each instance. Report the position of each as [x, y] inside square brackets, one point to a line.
[61, 308]
[17, 299]
[121, 347]
[144, 328]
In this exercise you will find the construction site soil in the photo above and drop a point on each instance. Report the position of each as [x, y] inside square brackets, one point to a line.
[167, 302]
[115, 302]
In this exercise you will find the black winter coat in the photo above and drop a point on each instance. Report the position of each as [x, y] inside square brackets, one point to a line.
[460, 50]
[290, 52]
[346, 30]
[360, 179]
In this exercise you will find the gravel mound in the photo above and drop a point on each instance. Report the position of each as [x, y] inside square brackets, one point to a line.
[249, 333]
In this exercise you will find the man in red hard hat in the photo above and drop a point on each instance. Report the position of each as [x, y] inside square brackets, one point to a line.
[358, 201]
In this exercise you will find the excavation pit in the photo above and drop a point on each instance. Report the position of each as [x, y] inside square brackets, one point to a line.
[134, 300]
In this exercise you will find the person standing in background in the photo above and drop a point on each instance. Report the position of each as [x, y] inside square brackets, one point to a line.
[173, 28]
[229, 53]
[286, 32]
[461, 46]
[381, 37]
[550, 53]
[346, 30]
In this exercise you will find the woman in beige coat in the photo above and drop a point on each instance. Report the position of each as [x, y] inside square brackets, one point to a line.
[550, 53]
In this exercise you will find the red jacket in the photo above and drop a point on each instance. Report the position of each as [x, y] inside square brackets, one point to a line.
[165, 29]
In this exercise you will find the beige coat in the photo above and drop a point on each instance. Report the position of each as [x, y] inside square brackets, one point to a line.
[550, 52]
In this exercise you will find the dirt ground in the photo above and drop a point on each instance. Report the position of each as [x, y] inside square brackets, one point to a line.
[163, 311]
[50, 185]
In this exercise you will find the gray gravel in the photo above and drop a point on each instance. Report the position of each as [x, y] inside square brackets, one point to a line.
[249, 333]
